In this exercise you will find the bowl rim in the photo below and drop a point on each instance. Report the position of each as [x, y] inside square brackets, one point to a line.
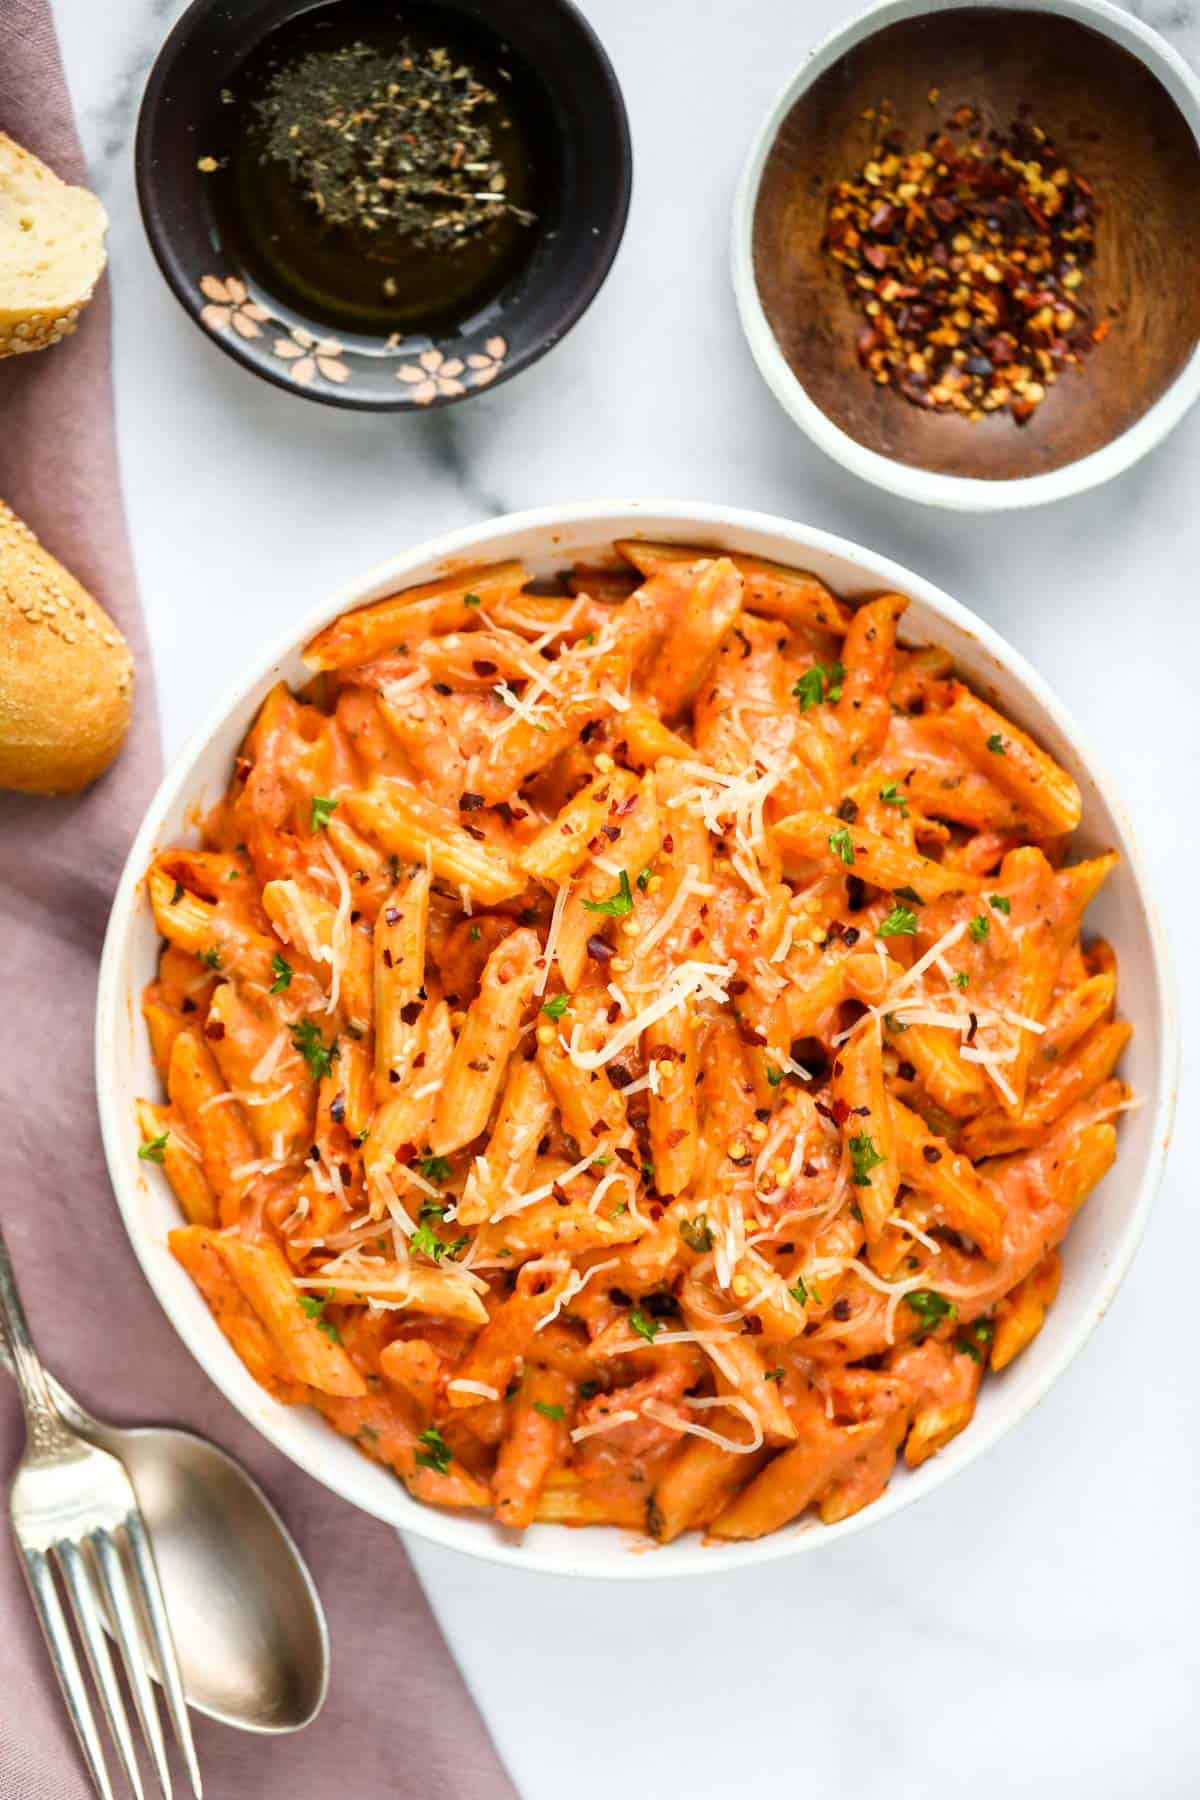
[161, 239]
[113, 1002]
[930, 487]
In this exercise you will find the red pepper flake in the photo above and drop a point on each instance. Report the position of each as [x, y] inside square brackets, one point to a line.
[968, 259]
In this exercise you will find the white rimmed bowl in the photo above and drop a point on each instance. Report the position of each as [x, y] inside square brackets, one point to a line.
[1100, 1246]
[1095, 424]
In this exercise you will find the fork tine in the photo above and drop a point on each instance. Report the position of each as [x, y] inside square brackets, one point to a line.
[66, 1665]
[115, 1585]
[155, 1611]
[87, 1619]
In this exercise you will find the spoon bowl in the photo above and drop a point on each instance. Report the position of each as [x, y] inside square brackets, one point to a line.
[248, 1626]
[251, 1634]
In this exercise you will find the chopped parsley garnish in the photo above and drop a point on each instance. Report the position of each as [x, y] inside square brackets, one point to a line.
[472, 600]
[556, 1005]
[313, 1307]
[283, 972]
[152, 1149]
[696, 1234]
[317, 1054]
[211, 958]
[961, 979]
[774, 1075]
[321, 813]
[434, 1168]
[891, 796]
[996, 744]
[549, 1412]
[799, 1292]
[773, 1375]
[647, 1328]
[931, 1307]
[909, 894]
[643, 879]
[474, 934]
[436, 1454]
[863, 1157]
[425, 1239]
[979, 928]
[822, 682]
[617, 904]
[900, 922]
[842, 845]
[622, 1206]
[1001, 904]
[973, 1341]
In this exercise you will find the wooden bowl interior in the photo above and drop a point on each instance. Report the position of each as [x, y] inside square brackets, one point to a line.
[1114, 123]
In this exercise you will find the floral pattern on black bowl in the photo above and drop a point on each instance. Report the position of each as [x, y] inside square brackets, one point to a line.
[574, 241]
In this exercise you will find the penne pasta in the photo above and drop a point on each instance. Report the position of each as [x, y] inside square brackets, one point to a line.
[631, 1053]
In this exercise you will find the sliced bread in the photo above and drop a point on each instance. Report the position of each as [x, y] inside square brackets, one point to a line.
[51, 251]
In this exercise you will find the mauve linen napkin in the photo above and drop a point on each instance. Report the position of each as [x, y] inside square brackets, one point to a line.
[398, 1720]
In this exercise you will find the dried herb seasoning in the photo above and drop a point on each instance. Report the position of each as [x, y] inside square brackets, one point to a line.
[968, 257]
[395, 138]
[383, 173]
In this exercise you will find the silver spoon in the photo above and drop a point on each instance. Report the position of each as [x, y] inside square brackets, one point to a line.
[247, 1622]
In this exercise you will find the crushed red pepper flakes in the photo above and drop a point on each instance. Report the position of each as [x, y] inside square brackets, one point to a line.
[967, 257]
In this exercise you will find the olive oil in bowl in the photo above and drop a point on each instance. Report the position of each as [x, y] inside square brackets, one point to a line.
[381, 174]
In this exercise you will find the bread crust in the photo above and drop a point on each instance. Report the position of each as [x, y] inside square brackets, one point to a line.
[66, 674]
[67, 226]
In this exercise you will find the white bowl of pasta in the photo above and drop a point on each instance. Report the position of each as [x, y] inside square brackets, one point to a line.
[626, 1052]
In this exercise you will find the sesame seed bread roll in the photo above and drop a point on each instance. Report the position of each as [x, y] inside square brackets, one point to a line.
[66, 675]
[51, 251]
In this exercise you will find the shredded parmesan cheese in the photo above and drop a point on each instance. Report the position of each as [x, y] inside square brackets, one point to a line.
[688, 979]
[551, 950]
[610, 1423]
[574, 1284]
[667, 1415]
[481, 1388]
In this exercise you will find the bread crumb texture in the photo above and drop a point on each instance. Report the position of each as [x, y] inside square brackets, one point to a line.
[51, 252]
[66, 674]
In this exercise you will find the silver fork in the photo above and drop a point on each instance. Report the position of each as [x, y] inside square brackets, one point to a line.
[75, 1516]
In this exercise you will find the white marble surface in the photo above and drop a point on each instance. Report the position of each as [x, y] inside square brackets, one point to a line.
[1031, 1630]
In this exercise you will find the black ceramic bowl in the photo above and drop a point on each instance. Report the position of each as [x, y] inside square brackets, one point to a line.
[580, 135]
